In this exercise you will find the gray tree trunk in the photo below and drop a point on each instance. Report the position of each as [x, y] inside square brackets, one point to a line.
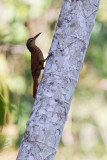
[50, 110]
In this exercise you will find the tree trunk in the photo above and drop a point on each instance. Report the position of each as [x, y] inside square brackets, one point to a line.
[50, 110]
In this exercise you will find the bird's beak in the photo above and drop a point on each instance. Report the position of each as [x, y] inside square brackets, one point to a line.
[37, 35]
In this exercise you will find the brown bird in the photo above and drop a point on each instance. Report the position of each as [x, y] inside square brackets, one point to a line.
[37, 61]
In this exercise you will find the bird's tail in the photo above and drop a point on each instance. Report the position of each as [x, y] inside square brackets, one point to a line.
[35, 86]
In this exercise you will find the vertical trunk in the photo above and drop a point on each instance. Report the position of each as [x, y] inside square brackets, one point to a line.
[49, 113]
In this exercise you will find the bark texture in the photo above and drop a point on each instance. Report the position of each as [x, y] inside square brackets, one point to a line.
[49, 113]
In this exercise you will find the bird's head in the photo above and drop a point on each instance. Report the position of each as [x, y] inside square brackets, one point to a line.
[31, 42]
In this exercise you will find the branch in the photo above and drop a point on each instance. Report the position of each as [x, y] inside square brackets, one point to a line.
[50, 110]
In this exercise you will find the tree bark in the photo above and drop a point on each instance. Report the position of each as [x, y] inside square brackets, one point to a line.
[50, 110]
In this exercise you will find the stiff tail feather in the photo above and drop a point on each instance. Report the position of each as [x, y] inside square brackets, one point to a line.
[35, 86]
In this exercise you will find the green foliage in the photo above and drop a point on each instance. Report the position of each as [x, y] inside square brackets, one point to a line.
[3, 107]
[40, 6]
[2, 141]
[97, 49]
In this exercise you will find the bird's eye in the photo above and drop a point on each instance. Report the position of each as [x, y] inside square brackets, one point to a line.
[30, 40]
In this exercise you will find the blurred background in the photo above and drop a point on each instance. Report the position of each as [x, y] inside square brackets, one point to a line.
[85, 133]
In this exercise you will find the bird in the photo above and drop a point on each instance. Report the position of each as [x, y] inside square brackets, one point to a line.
[37, 61]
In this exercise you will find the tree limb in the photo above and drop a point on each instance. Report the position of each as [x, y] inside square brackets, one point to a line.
[50, 110]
